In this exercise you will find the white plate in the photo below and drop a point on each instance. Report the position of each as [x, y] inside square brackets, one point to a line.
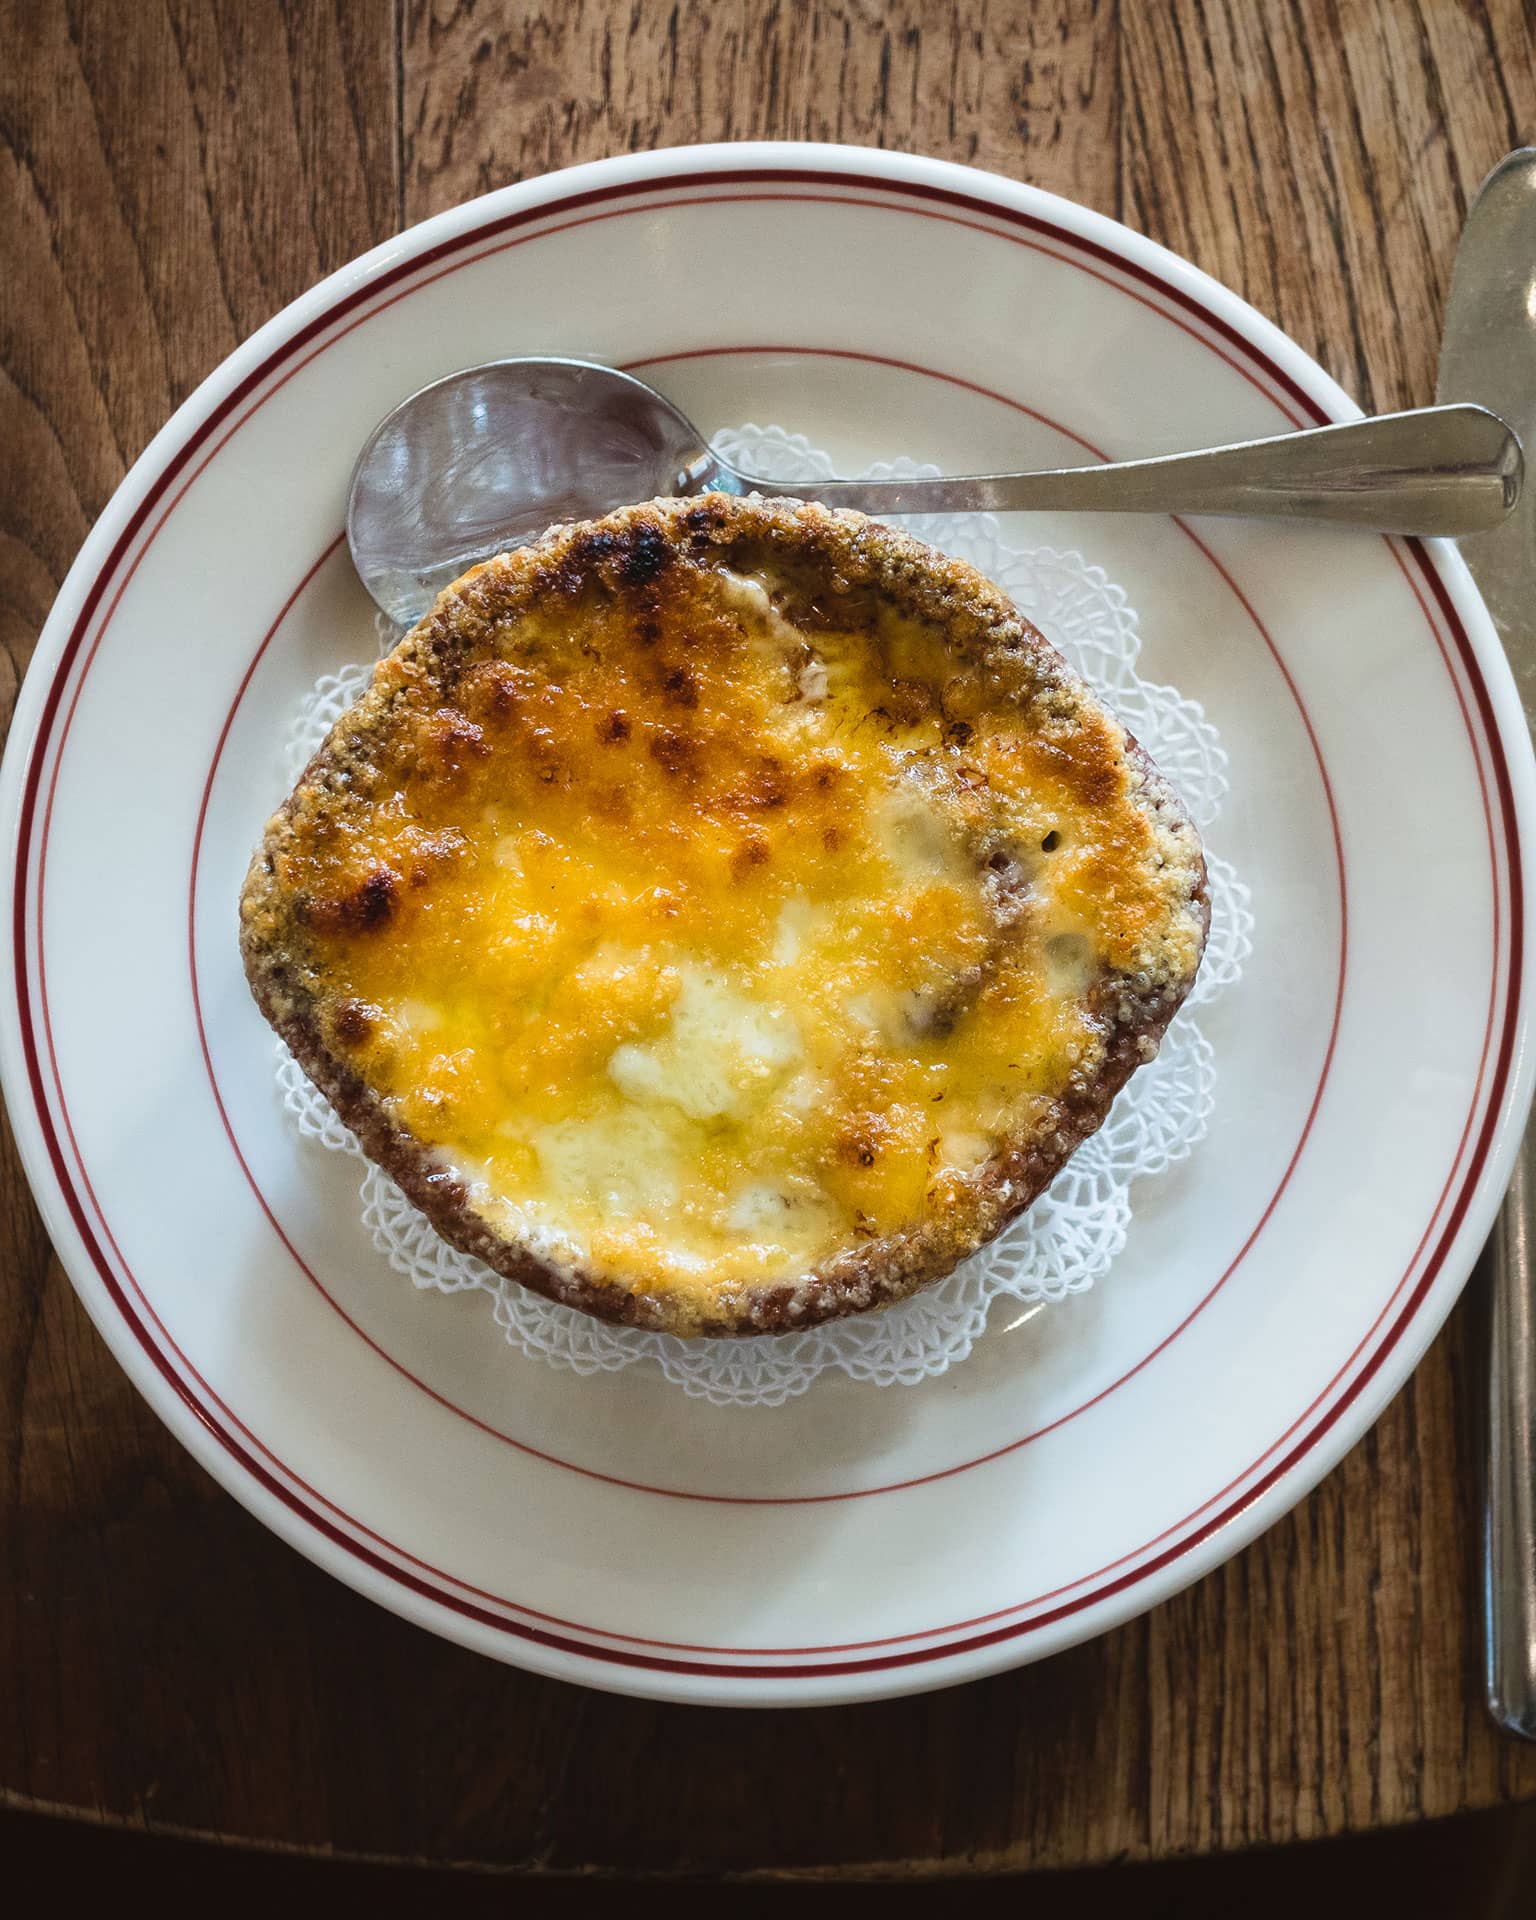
[1276, 1290]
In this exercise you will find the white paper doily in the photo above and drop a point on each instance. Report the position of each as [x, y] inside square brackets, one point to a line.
[1072, 1234]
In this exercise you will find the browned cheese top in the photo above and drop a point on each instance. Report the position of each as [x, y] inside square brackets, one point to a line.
[711, 908]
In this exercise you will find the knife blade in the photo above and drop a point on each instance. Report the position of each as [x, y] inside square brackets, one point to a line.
[1489, 355]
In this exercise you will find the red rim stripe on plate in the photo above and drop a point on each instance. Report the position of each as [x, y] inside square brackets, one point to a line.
[1121, 266]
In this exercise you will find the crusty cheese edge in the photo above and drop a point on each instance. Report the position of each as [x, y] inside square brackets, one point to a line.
[875, 1273]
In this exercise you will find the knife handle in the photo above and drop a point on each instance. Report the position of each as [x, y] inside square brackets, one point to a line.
[1509, 1463]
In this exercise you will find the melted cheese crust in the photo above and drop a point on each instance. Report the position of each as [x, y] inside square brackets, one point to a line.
[713, 929]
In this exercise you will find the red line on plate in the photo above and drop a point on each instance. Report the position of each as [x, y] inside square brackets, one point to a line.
[318, 1521]
[872, 360]
[856, 1493]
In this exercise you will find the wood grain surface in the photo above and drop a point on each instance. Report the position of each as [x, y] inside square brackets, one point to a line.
[172, 174]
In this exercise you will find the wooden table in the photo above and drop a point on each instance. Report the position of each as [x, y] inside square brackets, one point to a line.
[172, 175]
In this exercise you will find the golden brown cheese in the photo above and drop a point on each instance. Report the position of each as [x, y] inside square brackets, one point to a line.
[708, 925]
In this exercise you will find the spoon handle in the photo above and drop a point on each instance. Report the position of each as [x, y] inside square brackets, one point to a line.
[1435, 470]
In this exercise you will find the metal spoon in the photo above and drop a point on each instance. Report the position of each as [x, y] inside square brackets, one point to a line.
[488, 458]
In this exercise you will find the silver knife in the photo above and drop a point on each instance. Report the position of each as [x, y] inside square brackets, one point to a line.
[1489, 355]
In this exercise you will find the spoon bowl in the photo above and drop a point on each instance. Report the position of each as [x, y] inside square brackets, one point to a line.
[488, 458]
